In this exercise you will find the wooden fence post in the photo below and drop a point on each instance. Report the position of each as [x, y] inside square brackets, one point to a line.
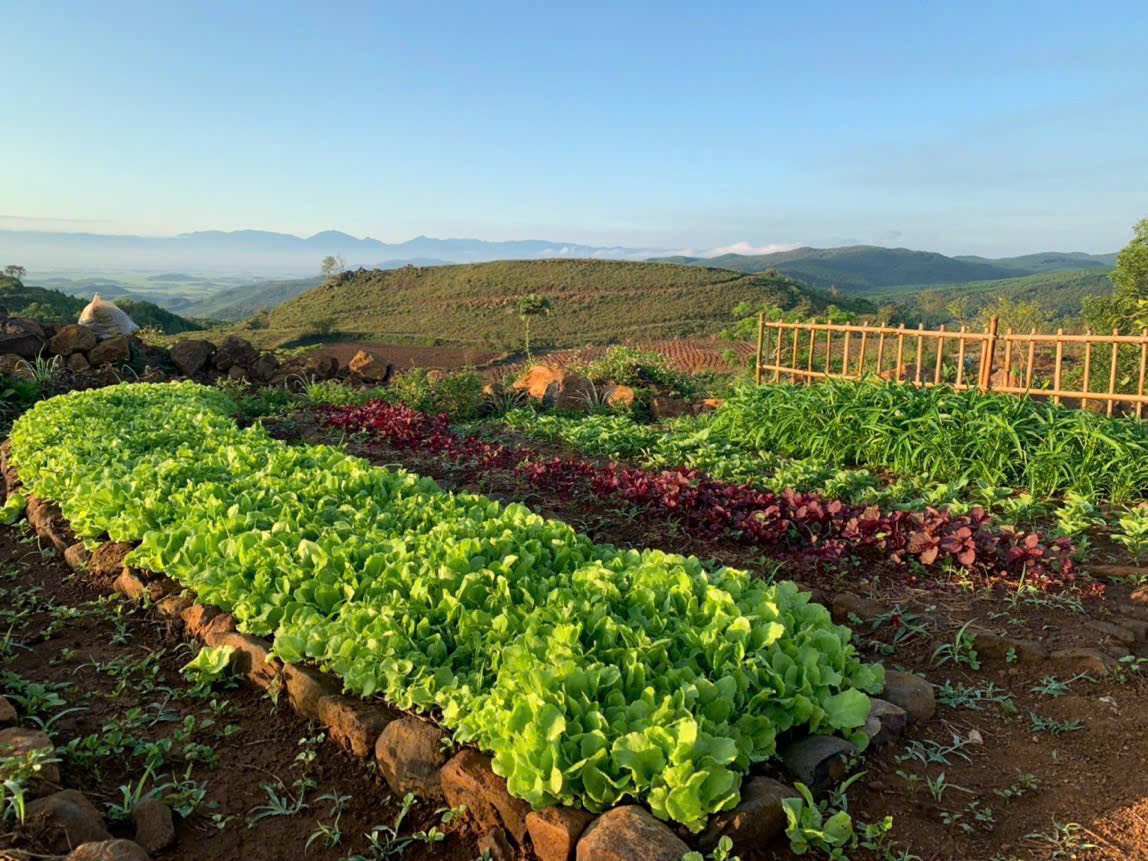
[1112, 371]
[1008, 359]
[1143, 369]
[988, 355]
[920, 351]
[1031, 359]
[1085, 386]
[777, 356]
[1056, 370]
[940, 355]
[900, 350]
[864, 338]
[760, 345]
[960, 358]
[793, 358]
[812, 350]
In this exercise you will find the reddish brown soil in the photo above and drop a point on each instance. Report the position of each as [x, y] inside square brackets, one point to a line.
[405, 357]
[689, 356]
[262, 750]
[1092, 777]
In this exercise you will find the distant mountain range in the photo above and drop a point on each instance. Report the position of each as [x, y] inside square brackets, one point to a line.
[1048, 261]
[268, 253]
[872, 268]
[232, 275]
[263, 254]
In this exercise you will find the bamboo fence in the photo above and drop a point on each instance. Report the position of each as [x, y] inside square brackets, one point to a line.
[1090, 370]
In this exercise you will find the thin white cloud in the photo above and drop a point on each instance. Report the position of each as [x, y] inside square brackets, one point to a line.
[746, 248]
[34, 222]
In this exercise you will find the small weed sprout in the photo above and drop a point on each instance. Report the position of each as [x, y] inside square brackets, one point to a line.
[1045, 724]
[961, 651]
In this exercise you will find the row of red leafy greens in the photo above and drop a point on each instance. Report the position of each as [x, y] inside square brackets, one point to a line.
[829, 533]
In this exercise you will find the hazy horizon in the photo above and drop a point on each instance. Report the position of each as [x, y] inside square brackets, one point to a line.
[269, 253]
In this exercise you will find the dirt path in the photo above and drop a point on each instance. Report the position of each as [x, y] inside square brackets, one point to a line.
[405, 357]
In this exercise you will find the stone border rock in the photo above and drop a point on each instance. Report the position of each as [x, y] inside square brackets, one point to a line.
[409, 750]
[80, 349]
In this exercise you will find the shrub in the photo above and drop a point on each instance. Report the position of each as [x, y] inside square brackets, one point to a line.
[458, 395]
[631, 367]
[18, 391]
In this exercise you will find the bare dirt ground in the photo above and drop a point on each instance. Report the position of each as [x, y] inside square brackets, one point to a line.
[117, 668]
[689, 356]
[406, 357]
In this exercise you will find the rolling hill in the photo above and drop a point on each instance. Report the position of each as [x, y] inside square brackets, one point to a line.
[595, 301]
[871, 268]
[243, 301]
[1046, 261]
[1058, 292]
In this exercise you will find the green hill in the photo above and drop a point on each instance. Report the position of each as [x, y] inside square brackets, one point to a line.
[858, 268]
[595, 301]
[246, 300]
[1060, 293]
[1047, 261]
[52, 306]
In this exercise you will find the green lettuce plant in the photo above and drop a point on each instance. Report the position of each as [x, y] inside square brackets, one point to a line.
[13, 507]
[809, 825]
[208, 666]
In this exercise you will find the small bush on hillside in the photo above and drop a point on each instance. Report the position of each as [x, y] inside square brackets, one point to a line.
[256, 321]
[459, 395]
[14, 390]
[631, 367]
[153, 336]
[745, 315]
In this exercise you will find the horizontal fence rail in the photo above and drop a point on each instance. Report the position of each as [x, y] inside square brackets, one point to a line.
[1090, 370]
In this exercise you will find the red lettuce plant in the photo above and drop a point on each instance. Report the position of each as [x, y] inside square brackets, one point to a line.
[787, 524]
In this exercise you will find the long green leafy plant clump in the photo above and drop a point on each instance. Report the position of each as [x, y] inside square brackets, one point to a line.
[941, 434]
[590, 673]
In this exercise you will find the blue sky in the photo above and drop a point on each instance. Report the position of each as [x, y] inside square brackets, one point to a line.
[970, 127]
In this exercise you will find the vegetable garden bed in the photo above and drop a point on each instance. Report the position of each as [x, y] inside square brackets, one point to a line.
[673, 682]
[1036, 719]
